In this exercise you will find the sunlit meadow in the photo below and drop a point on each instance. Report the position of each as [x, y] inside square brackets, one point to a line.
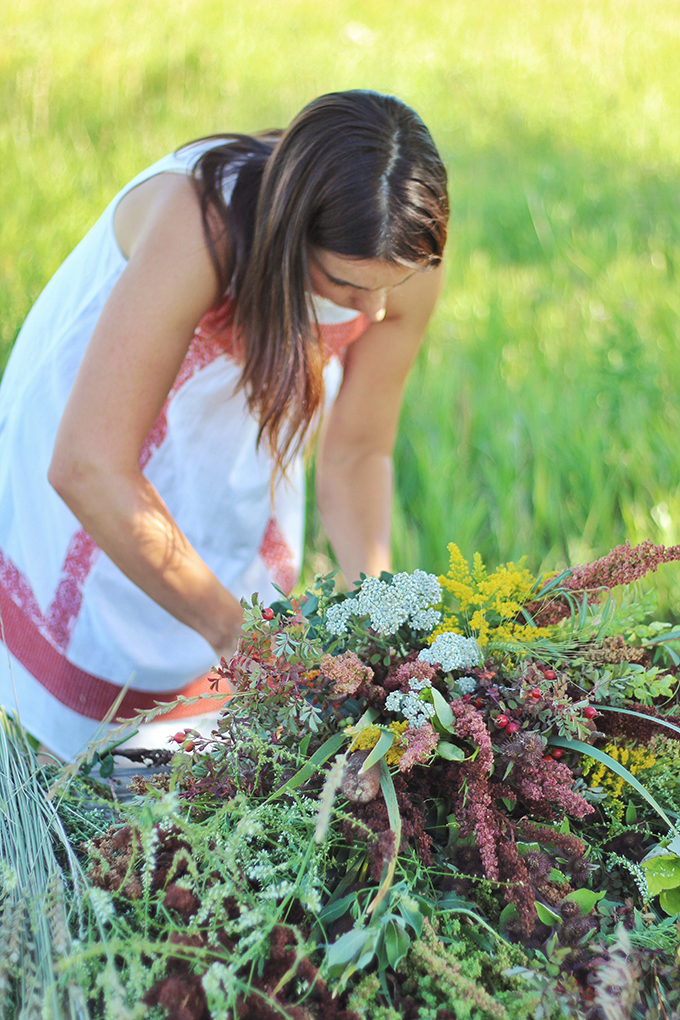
[543, 415]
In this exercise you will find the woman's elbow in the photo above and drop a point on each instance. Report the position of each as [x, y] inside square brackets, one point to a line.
[70, 475]
[60, 475]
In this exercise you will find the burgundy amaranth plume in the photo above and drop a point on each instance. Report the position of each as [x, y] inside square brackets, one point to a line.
[623, 565]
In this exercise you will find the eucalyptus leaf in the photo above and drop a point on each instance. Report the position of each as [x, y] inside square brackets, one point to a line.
[310, 606]
[672, 635]
[397, 942]
[394, 818]
[349, 946]
[546, 915]
[377, 753]
[443, 710]
[336, 909]
[449, 751]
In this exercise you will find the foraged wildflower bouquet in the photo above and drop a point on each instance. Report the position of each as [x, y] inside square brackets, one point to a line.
[430, 798]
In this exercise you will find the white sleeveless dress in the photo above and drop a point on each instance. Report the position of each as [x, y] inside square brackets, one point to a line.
[73, 628]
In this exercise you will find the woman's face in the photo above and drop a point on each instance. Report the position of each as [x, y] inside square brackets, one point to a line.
[356, 283]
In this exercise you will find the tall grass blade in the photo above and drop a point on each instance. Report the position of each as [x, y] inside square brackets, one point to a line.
[320, 757]
[390, 795]
[640, 715]
[615, 766]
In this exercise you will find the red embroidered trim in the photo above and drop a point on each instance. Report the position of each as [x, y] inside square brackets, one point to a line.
[278, 558]
[14, 582]
[63, 612]
[203, 350]
[338, 335]
[89, 695]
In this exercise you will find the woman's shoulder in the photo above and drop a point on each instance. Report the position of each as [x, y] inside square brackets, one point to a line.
[168, 187]
[165, 194]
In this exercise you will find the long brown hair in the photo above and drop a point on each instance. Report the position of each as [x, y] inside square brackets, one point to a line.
[357, 174]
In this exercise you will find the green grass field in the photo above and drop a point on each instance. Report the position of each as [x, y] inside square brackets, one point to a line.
[543, 416]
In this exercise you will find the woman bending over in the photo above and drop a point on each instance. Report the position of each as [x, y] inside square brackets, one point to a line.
[160, 394]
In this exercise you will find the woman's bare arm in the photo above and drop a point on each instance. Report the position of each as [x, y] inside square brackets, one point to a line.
[354, 465]
[131, 362]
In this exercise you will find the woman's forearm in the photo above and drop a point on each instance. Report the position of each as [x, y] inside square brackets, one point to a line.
[355, 503]
[129, 521]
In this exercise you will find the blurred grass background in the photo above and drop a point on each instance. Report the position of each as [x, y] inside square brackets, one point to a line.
[543, 415]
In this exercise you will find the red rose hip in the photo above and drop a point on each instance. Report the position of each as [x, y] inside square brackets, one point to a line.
[268, 613]
[590, 712]
[511, 728]
[501, 721]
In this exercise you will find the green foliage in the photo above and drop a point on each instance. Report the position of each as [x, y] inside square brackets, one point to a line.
[283, 865]
[241, 869]
[630, 681]
[453, 972]
[647, 685]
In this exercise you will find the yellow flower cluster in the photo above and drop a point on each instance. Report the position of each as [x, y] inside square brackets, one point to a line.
[635, 759]
[487, 604]
[367, 738]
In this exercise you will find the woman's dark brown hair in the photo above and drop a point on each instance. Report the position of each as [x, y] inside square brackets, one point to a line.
[357, 174]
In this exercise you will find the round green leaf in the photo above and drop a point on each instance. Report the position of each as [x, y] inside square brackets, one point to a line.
[662, 873]
[449, 751]
[585, 899]
[670, 901]
[508, 914]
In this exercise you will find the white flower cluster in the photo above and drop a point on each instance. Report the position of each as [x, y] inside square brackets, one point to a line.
[407, 598]
[415, 711]
[466, 684]
[452, 651]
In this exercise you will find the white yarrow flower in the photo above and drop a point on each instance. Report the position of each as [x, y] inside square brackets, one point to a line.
[416, 711]
[407, 598]
[452, 651]
[466, 684]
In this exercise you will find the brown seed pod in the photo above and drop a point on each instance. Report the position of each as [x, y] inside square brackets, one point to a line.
[357, 785]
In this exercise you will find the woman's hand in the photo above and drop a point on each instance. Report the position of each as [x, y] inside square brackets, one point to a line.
[354, 464]
[131, 362]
